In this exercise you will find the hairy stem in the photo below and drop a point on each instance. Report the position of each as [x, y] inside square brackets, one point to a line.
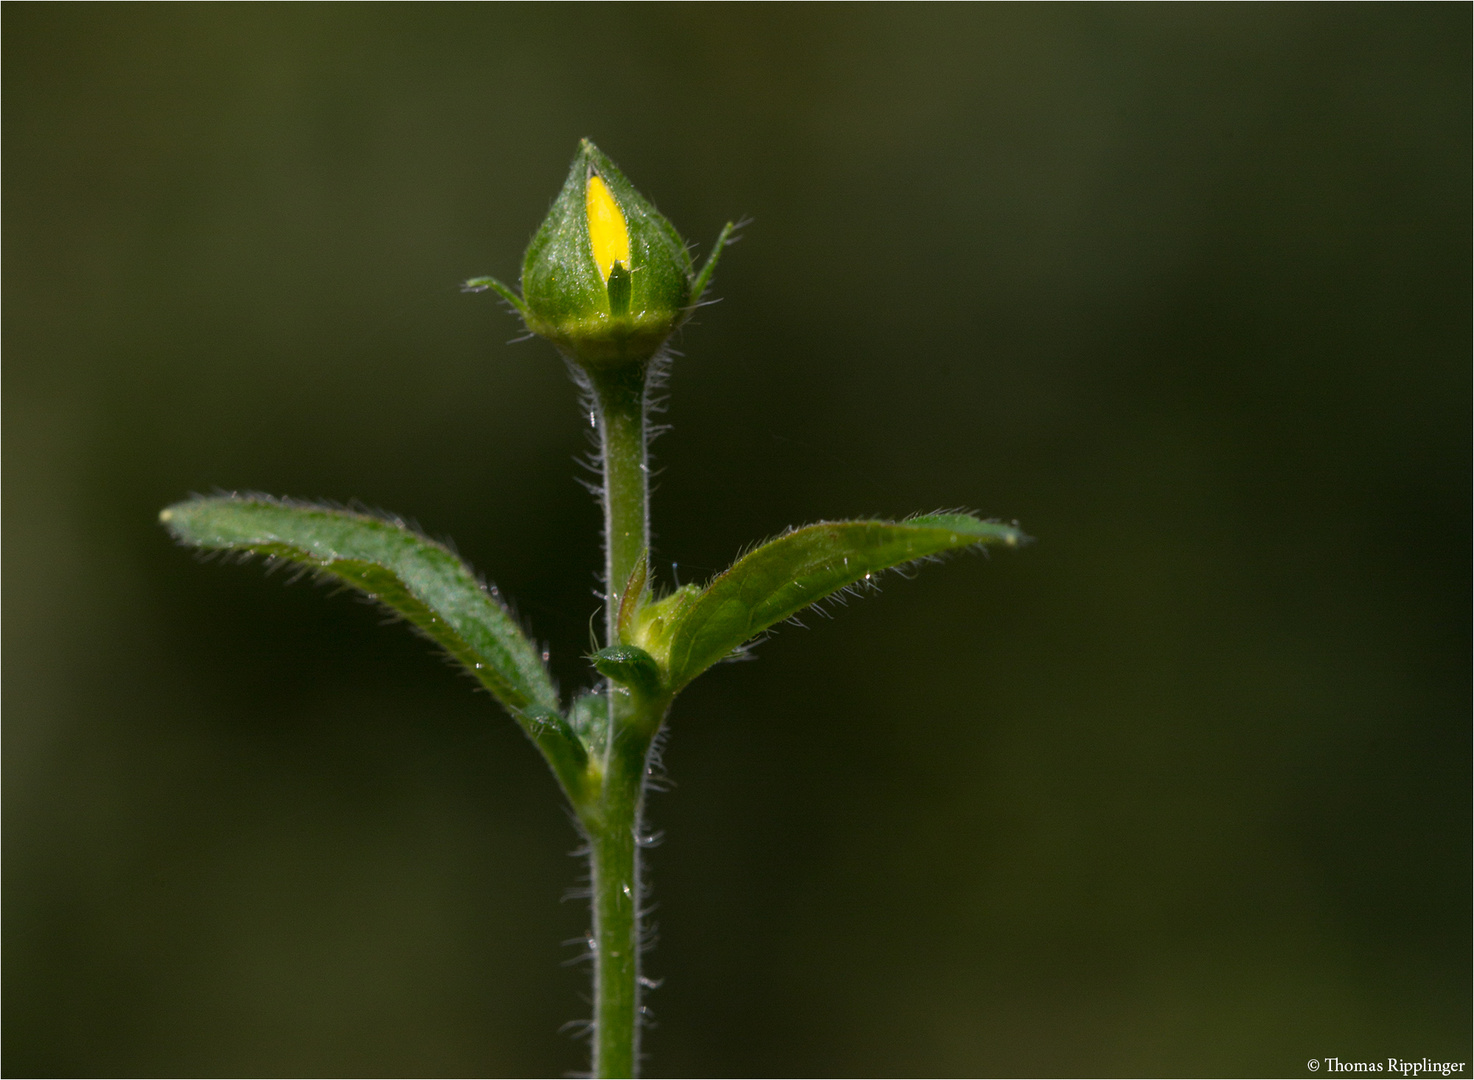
[615, 875]
[612, 818]
[619, 395]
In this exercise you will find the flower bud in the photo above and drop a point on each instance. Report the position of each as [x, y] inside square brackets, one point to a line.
[607, 278]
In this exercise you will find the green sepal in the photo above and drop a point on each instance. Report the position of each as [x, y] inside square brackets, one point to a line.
[777, 580]
[630, 666]
[422, 581]
[703, 279]
[481, 284]
[619, 291]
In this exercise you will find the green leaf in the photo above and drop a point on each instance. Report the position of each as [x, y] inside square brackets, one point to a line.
[633, 596]
[415, 577]
[588, 716]
[565, 750]
[631, 666]
[803, 566]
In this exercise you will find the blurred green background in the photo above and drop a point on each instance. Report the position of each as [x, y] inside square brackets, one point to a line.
[1182, 789]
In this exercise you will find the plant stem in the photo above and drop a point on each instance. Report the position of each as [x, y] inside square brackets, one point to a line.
[612, 818]
[614, 860]
[619, 394]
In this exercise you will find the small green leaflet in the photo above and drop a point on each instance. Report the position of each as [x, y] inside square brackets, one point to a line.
[415, 577]
[782, 577]
[631, 666]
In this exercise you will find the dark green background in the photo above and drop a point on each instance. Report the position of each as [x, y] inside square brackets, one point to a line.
[1182, 789]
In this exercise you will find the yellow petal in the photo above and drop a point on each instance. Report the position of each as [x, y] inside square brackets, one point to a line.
[607, 230]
